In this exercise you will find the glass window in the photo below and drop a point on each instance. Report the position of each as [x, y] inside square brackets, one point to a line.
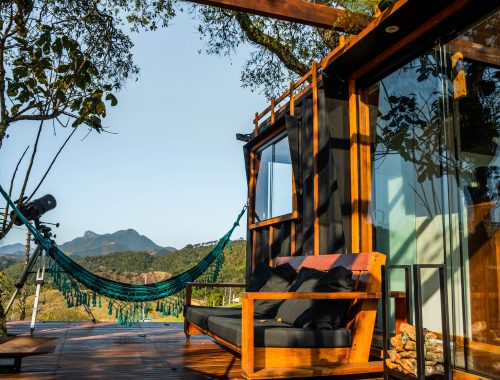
[475, 103]
[435, 130]
[273, 193]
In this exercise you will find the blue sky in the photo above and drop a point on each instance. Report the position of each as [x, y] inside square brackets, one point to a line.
[174, 171]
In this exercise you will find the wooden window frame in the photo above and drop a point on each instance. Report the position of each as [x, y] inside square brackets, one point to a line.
[254, 166]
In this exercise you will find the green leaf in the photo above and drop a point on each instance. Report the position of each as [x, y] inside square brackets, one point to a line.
[57, 46]
[110, 97]
[20, 72]
[93, 70]
[15, 109]
[46, 48]
[62, 68]
[100, 108]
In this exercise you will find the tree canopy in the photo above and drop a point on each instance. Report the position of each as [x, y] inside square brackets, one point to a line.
[282, 51]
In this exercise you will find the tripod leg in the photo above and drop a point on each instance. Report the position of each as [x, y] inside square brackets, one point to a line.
[87, 309]
[23, 279]
[39, 282]
[89, 312]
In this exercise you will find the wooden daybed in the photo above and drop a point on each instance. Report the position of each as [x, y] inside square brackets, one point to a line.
[346, 353]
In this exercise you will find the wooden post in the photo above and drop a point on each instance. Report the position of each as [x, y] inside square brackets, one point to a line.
[294, 186]
[365, 174]
[362, 333]
[251, 207]
[256, 123]
[315, 131]
[273, 105]
[354, 145]
[247, 336]
[271, 238]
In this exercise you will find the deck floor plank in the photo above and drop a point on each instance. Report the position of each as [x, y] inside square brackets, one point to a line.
[108, 351]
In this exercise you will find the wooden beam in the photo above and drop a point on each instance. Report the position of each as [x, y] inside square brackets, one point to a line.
[354, 164]
[476, 52]
[365, 173]
[298, 11]
[294, 185]
[315, 133]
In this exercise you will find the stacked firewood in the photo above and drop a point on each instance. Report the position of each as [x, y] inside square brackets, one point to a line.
[403, 356]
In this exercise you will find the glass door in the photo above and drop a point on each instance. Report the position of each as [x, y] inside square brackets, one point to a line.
[435, 157]
[473, 97]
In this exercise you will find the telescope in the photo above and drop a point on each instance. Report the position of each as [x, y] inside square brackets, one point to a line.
[35, 209]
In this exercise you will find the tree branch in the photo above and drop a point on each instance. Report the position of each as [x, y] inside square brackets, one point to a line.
[38, 117]
[52, 163]
[6, 213]
[272, 44]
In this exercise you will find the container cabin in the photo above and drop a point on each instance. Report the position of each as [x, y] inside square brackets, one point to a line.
[392, 144]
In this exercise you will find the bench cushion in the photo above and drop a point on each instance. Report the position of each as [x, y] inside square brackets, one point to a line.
[259, 277]
[270, 333]
[280, 280]
[320, 314]
[198, 315]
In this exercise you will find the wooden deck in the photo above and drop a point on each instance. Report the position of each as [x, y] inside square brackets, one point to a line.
[109, 351]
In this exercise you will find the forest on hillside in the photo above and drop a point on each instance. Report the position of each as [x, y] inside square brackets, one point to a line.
[133, 267]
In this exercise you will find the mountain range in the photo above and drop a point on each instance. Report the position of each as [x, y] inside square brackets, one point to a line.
[12, 249]
[93, 244]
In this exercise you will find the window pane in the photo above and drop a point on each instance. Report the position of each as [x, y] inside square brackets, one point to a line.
[282, 179]
[263, 187]
[273, 195]
[475, 75]
[407, 174]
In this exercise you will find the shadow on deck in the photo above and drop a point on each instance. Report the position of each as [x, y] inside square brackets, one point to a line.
[109, 351]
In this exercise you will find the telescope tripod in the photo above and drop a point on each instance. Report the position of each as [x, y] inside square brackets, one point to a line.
[40, 274]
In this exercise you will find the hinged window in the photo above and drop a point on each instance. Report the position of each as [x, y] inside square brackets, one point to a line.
[274, 188]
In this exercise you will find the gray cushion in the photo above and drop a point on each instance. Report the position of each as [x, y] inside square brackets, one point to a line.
[270, 333]
[321, 314]
[280, 280]
[198, 315]
[259, 277]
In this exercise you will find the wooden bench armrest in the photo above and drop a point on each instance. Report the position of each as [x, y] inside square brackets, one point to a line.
[191, 285]
[318, 295]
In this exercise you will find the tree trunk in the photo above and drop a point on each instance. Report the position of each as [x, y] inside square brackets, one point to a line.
[24, 292]
[3, 326]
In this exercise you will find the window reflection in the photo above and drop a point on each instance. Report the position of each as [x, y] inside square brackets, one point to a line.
[273, 193]
[475, 81]
[435, 130]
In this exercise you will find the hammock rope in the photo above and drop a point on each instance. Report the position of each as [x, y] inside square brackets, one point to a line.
[70, 276]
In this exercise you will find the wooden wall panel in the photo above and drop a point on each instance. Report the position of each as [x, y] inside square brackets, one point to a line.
[284, 247]
[337, 123]
[324, 163]
[261, 245]
[307, 159]
[334, 195]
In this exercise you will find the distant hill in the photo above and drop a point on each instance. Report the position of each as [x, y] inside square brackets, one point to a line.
[12, 249]
[92, 244]
[132, 266]
[8, 260]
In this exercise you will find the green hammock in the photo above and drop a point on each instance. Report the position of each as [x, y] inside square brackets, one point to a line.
[69, 275]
